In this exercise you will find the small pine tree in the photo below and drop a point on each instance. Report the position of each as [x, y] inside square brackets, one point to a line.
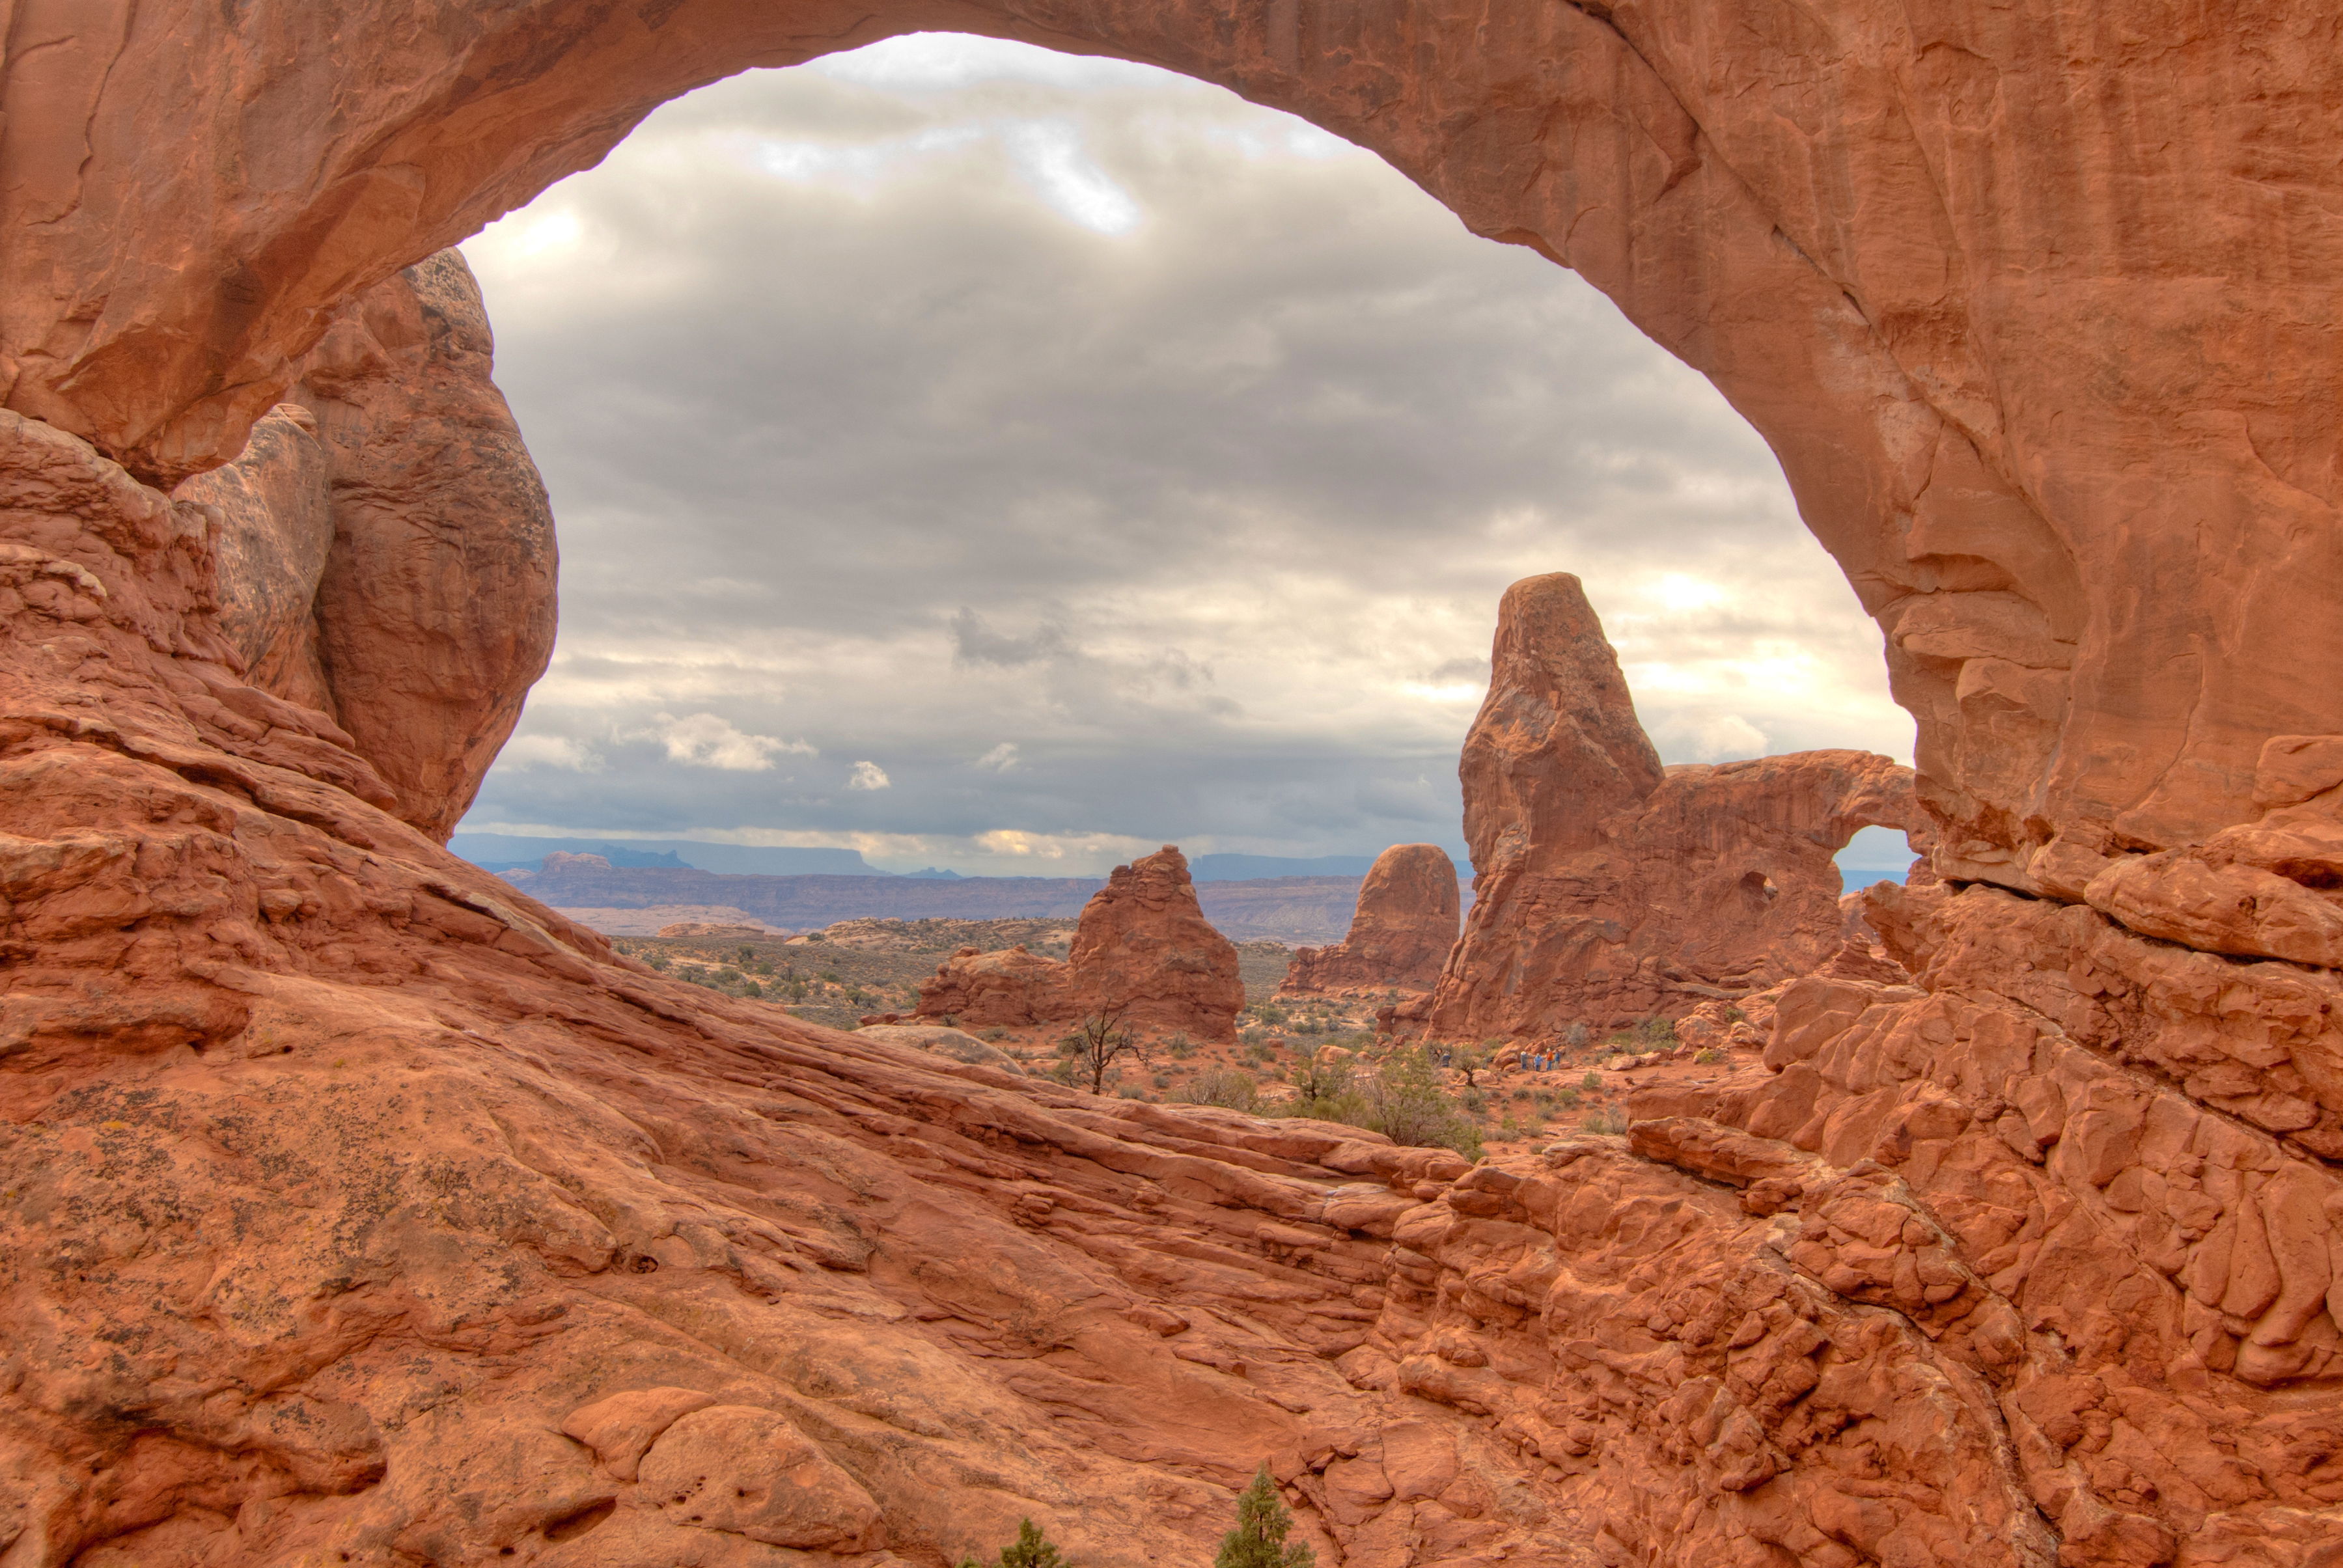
[1259, 1539]
[1032, 1549]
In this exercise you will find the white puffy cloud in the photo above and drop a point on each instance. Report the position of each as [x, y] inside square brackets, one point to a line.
[705, 740]
[868, 775]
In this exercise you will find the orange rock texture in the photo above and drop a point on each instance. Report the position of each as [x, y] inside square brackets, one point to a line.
[386, 550]
[1406, 923]
[1143, 953]
[355, 1210]
[1014, 989]
[1607, 887]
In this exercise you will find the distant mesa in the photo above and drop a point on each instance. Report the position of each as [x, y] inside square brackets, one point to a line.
[502, 852]
[713, 928]
[1255, 868]
[1400, 936]
[1143, 953]
[603, 895]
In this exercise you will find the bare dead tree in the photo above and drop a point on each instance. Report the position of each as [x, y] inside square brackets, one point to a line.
[1097, 1042]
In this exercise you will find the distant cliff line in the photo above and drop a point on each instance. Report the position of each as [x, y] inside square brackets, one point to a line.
[1298, 910]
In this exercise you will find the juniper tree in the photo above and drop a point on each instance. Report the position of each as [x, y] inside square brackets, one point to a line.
[1259, 1539]
[1032, 1549]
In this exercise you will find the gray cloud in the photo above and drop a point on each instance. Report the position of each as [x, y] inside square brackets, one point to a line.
[1105, 462]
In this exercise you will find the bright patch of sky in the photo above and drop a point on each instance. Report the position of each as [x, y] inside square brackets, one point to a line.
[1007, 461]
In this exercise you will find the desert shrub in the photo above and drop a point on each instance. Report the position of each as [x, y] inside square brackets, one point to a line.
[1576, 1035]
[1324, 1092]
[1603, 1120]
[1568, 1100]
[1407, 1105]
[1521, 1093]
[1654, 1033]
[1180, 1047]
[1708, 1058]
[1592, 1082]
[1269, 1013]
[1223, 1087]
[1475, 1100]
[1161, 1080]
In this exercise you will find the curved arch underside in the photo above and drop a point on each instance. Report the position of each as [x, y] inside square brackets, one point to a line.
[354, 1209]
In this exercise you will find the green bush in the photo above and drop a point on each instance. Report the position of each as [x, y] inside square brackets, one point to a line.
[1603, 1121]
[1032, 1549]
[1258, 1540]
[1407, 1105]
[1223, 1087]
[1324, 1092]
[1592, 1082]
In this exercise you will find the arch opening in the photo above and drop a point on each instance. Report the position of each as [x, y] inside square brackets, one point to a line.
[1080, 445]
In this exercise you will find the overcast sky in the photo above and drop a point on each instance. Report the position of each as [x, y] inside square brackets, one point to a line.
[995, 459]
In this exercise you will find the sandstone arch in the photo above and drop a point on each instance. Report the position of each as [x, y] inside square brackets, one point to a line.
[2053, 385]
[356, 1208]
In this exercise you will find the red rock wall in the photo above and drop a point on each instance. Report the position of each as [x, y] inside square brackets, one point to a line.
[1399, 934]
[1608, 889]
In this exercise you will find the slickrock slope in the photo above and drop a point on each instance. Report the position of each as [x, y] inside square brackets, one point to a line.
[1400, 935]
[388, 551]
[1143, 951]
[1607, 887]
